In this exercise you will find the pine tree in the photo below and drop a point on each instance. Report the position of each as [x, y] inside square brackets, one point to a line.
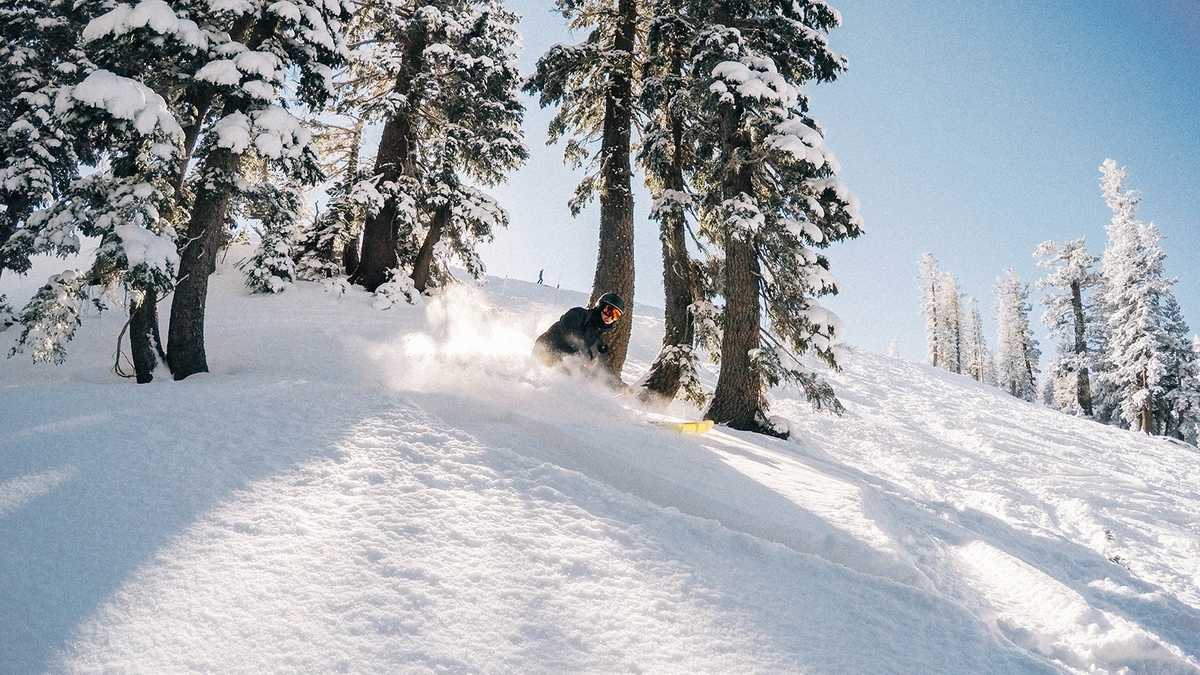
[246, 77]
[1017, 351]
[278, 208]
[328, 244]
[929, 277]
[975, 354]
[1179, 410]
[39, 60]
[480, 141]
[1071, 275]
[107, 106]
[441, 72]
[949, 324]
[1137, 298]
[667, 157]
[594, 86]
[770, 199]
[1191, 431]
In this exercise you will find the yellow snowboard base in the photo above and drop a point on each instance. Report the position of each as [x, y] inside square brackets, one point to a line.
[697, 427]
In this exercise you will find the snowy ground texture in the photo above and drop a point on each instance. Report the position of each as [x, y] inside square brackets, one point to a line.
[356, 490]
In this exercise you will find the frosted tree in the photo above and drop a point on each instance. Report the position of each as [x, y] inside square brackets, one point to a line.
[769, 198]
[240, 87]
[278, 207]
[107, 107]
[949, 324]
[1137, 298]
[441, 76]
[1179, 410]
[328, 244]
[976, 357]
[941, 307]
[479, 143]
[929, 277]
[1191, 425]
[39, 56]
[1071, 274]
[1017, 351]
[594, 86]
[667, 157]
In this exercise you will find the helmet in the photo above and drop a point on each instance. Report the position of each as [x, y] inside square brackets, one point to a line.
[613, 299]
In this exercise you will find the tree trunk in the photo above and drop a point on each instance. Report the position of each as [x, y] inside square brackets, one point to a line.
[933, 320]
[614, 264]
[143, 327]
[1146, 423]
[958, 367]
[350, 255]
[205, 234]
[738, 400]
[424, 262]
[679, 283]
[394, 159]
[1083, 385]
[185, 335]
[679, 324]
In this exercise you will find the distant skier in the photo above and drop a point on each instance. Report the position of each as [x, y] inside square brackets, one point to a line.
[540, 282]
[580, 333]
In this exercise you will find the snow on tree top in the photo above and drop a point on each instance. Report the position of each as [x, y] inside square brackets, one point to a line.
[125, 99]
[153, 14]
[233, 132]
[286, 10]
[754, 77]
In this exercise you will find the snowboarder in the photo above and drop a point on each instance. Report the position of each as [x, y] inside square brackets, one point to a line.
[579, 332]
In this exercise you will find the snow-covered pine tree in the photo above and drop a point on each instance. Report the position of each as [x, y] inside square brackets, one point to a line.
[38, 157]
[1137, 294]
[328, 244]
[949, 323]
[1017, 351]
[108, 105]
[479, 141]
[770, 197]
[594, 84]
[243, 79]
[278, 206]
[666, 158]
[38, 56]
[975, 353]
[1179, 411]
[1191, 432]
[929, 276]
[441, 72]
[1071, 275]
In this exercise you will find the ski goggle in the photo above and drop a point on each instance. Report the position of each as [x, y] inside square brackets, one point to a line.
[609, 312]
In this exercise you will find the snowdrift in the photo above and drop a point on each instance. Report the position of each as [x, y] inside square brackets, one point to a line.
[355, 490]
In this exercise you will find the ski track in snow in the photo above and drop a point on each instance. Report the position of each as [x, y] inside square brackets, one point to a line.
[362, 491]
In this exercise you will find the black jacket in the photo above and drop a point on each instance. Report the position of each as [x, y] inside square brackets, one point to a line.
[578, 331]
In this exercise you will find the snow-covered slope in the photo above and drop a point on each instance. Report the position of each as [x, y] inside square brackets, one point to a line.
[393, 491]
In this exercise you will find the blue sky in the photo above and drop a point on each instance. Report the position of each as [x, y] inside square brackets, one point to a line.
[972, 130]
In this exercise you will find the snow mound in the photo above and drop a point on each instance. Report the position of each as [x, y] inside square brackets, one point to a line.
[362, 490]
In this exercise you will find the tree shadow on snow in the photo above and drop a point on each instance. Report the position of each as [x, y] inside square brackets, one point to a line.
[141, 464]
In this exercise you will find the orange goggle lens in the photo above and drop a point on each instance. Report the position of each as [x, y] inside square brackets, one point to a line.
[610, 312]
